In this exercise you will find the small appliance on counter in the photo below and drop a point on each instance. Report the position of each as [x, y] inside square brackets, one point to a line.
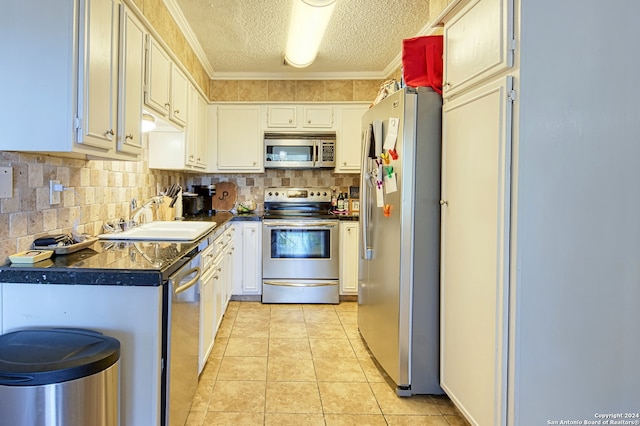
[192, 204]
[207, 192]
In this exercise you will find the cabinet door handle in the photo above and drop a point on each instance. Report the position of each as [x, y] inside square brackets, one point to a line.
[129, 136]
[290, 120]
[176, 111]
[444, 203]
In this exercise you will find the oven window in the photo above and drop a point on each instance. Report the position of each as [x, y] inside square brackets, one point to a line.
[289, 153]
[300, 243]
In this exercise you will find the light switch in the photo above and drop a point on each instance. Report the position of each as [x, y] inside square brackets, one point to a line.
[6, 182]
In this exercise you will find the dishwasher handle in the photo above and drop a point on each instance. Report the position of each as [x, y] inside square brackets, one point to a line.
[178, 278]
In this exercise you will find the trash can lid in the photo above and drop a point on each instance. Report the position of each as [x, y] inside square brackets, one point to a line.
[54, 355]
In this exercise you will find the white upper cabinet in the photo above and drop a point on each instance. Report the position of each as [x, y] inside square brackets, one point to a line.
[196, 131]
[167, 88]
[99, 81]
[281, 116]
[132, 40]
[237, 138]
[70, 86]
[320, 116]
[158, 88]
[349, 138]
[478, 43]
[297, 117]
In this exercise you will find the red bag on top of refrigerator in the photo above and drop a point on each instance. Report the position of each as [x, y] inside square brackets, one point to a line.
[422, 62]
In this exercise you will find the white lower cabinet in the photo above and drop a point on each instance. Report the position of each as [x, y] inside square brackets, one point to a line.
[247, 278]
[349, 258]
[131, 314]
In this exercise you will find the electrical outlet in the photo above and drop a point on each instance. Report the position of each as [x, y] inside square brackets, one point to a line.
[54, 196]
[6, 182]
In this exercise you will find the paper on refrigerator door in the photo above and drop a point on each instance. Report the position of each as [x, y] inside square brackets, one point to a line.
[392, 133]
[390, 184]
[379, 187]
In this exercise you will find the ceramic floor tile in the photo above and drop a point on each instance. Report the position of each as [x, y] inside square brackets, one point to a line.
[394, 420]
[293, 397]
[233, 419]
[210, 370]
[219, 346]
[348, 317]
[250, 330]
[195, 418]
[324, 331]
[331, 347]
[203, 395]
[252, 316]
[288, 330]
[286, 307]
[322, 317]
[355, 419]
[287, 316]
[390, 403]
[456, 420]
[244, 397]
[225, 329]
[346, 306]
[318, 308]
[359, 348]
[243, 306]
[292, 348]
[278, 419]
[338, 370]
[247, 346]
[243, 368]
[352, 332]
[371, 371]
[286, 369]
[445, 405]
[347, 398]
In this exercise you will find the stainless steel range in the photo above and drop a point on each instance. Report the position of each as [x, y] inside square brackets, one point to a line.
[300, 246]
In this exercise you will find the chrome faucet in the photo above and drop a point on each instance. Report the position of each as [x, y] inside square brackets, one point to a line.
[136, 213]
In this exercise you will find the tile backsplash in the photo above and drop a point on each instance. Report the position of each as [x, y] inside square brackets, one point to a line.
[99, 191]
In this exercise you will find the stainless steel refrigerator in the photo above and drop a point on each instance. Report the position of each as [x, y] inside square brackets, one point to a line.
[398, 289]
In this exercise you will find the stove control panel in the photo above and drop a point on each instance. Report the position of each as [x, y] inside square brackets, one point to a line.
[297, 195]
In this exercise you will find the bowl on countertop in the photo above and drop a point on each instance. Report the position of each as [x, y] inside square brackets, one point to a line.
[246, 206]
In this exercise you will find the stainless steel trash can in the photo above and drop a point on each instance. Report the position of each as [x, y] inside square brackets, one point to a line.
[59, 377]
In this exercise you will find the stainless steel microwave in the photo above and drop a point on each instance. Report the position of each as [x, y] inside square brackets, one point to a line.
[299, 150]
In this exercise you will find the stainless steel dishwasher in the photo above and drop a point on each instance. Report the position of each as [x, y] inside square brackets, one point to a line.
[183, 313]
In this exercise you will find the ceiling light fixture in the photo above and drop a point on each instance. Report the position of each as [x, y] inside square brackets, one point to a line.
[309, 20]
[148, 122]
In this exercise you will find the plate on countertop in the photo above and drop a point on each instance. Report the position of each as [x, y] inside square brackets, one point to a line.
[71, 248]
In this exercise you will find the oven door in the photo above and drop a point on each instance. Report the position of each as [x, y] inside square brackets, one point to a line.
[300, 249]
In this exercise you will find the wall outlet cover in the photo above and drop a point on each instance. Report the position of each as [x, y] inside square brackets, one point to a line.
[6, 182]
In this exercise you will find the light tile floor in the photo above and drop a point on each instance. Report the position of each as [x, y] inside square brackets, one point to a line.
[302, 365]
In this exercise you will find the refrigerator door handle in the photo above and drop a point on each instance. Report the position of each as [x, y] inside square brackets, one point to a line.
[367, 252]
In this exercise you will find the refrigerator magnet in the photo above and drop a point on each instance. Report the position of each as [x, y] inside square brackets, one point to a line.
[387, 210]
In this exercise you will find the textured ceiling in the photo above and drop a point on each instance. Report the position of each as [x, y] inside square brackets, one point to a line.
[246, 38]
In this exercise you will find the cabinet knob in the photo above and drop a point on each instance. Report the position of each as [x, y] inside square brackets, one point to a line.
[176, 111]
[444, 203]
[290, 120]
[344, 163]
[130, 136]
[308, 121]
[254, 163]
[109, 132]
[167, 104]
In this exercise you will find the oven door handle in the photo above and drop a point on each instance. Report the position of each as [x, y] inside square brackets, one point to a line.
[299, 284]
[189, 283]
[291, 224]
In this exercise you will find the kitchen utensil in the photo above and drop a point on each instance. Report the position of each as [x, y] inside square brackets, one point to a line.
[226, 196]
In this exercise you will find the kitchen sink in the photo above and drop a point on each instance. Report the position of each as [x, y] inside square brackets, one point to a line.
[163, 231]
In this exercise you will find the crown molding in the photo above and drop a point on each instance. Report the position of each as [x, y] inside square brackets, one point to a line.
[181, 21]
[367, 75]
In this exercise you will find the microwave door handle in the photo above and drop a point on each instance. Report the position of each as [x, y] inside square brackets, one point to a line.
[315, 158]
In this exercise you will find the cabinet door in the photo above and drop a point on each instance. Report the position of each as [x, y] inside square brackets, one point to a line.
[349, 257]
[98, 78]
[349, 139]
[478, 43]
[317, 116]
[476, 157]
[132, 39]
[252, 258]
[158, 87]
[179, 96]
[192, 129]
[207, 317]
[281, 116]
[202, 131]
[239, 140]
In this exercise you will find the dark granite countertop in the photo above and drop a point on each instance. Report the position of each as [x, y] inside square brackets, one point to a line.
[111, 262]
